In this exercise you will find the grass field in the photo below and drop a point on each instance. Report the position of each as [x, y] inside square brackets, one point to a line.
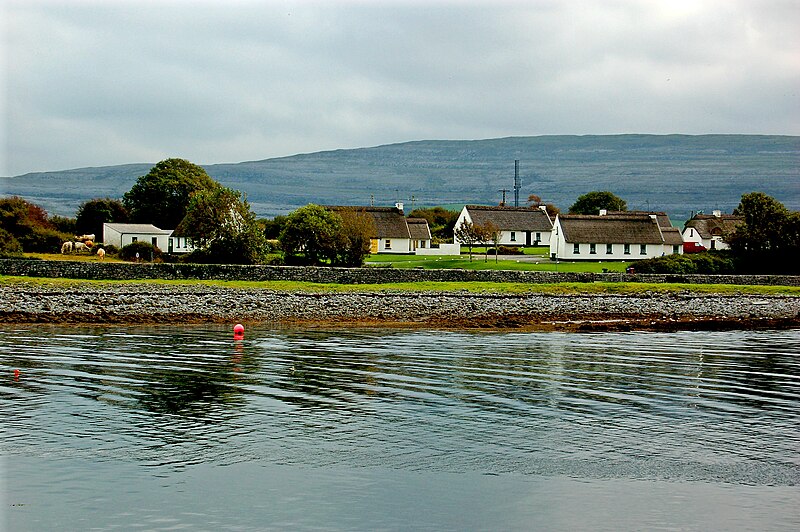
[478, 263]
[597, 288]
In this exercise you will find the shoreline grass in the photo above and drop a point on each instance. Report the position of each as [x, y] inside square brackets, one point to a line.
[471, 287]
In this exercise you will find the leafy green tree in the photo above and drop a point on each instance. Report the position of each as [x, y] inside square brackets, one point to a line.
[64, 224]
[272, 228]
[220, 223]
[310, 235]
[94, 213]
[28, 223]
[162, 196]
[9, 245]
[769, 237]
[593, 202]
[356, 232]
[440, 220]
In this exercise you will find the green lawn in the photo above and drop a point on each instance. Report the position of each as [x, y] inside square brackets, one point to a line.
[478, 263]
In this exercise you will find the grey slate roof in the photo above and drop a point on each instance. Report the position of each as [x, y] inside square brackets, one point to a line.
[142, 229]
[511, 218]
[708, 225]
[616, 229]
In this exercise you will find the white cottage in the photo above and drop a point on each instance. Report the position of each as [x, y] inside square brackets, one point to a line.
[709, 230]
[121, 235]
[621, 236]
[519, 226]
[394, 233]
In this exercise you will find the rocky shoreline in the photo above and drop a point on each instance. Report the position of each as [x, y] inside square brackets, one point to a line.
[176, 304]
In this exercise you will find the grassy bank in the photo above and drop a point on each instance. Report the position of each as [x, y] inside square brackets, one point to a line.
[469, 287]
[478, 262]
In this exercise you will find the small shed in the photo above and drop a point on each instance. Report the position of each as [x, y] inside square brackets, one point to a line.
[121, 235]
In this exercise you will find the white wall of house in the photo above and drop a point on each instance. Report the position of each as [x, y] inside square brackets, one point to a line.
[179, 244]
[391, 245]
[121, 239]
[441, 249]
[690, 234]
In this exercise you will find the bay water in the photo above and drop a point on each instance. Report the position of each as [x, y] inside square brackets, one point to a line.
[165, 428]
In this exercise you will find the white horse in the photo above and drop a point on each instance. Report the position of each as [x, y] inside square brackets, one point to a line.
[80, 246]
[101, 253]
[66, 247]
[85, 237]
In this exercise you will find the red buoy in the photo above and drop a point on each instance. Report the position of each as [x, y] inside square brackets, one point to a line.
[238, 331]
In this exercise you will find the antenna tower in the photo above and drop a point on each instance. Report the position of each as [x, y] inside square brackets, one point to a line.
[517, 186]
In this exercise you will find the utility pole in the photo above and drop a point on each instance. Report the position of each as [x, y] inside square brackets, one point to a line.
[517, 185]
[503, 190]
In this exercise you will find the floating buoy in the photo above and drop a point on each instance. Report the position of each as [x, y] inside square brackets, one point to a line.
[238, 331]
[16, 374]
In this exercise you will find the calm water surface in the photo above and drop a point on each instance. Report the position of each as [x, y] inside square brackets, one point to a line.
[121, 428]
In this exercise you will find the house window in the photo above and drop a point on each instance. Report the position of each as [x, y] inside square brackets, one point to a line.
[422, 244]
[513, 236]
[576, 249]
[642, 249]
[691, 232]
[609, 249]
[626, 249]
[592, 249]
[675, 249]
[713, 244]
[134, 239]
[154, 241]
[538, 237]
[388, 244]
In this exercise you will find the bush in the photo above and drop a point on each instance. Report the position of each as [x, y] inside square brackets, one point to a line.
[147, 252]
[509, 250]
[9, 246]
[709, 262]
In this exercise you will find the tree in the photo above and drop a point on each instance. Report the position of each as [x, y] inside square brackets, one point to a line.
[535, 202]
[356, 232]
[593, 202]
[162, 196]
[769, 237]
[28, 223]
[440, 220]
[272, 228]
[94, 213]
[221, 225]
[310, 235]
[468, 235]
[490, 233]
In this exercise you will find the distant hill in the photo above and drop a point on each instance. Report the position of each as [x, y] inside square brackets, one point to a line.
[673, 173]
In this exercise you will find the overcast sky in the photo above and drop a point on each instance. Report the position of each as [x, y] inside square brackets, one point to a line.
[112, 82]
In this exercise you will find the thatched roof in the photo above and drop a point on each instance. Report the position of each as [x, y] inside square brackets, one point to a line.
[661, 217]
[389, 221]
[616, 229]
[672, 236]
[708, 225]
[511, 218]
[418, 228]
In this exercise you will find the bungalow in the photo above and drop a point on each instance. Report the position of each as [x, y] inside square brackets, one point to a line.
[519, 226]
[121, 235]
[709, 230]
[394, 233]
[617, 236]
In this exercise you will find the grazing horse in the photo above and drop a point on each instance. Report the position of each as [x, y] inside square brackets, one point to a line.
[66, 247]
[85, 237]
[80, 246]
[101, 253]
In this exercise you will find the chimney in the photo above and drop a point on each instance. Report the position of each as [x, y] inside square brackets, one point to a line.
[717, 214]
[603, 212]
[399, 206]
[543, 208]
[654, 218]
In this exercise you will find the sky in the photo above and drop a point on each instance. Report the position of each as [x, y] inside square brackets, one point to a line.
[95, 83]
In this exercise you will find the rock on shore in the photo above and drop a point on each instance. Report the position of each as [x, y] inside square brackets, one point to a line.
[148, 303]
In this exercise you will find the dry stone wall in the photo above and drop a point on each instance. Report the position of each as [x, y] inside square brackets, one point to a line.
[132, 271]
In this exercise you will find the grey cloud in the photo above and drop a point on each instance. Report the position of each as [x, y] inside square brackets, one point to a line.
[92, 83]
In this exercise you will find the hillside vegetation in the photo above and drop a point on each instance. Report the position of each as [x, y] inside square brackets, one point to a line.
[673, 173]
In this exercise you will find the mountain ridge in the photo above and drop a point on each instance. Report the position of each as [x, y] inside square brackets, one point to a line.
[674, 173]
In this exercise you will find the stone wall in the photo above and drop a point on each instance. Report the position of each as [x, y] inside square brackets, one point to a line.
[131, 271]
